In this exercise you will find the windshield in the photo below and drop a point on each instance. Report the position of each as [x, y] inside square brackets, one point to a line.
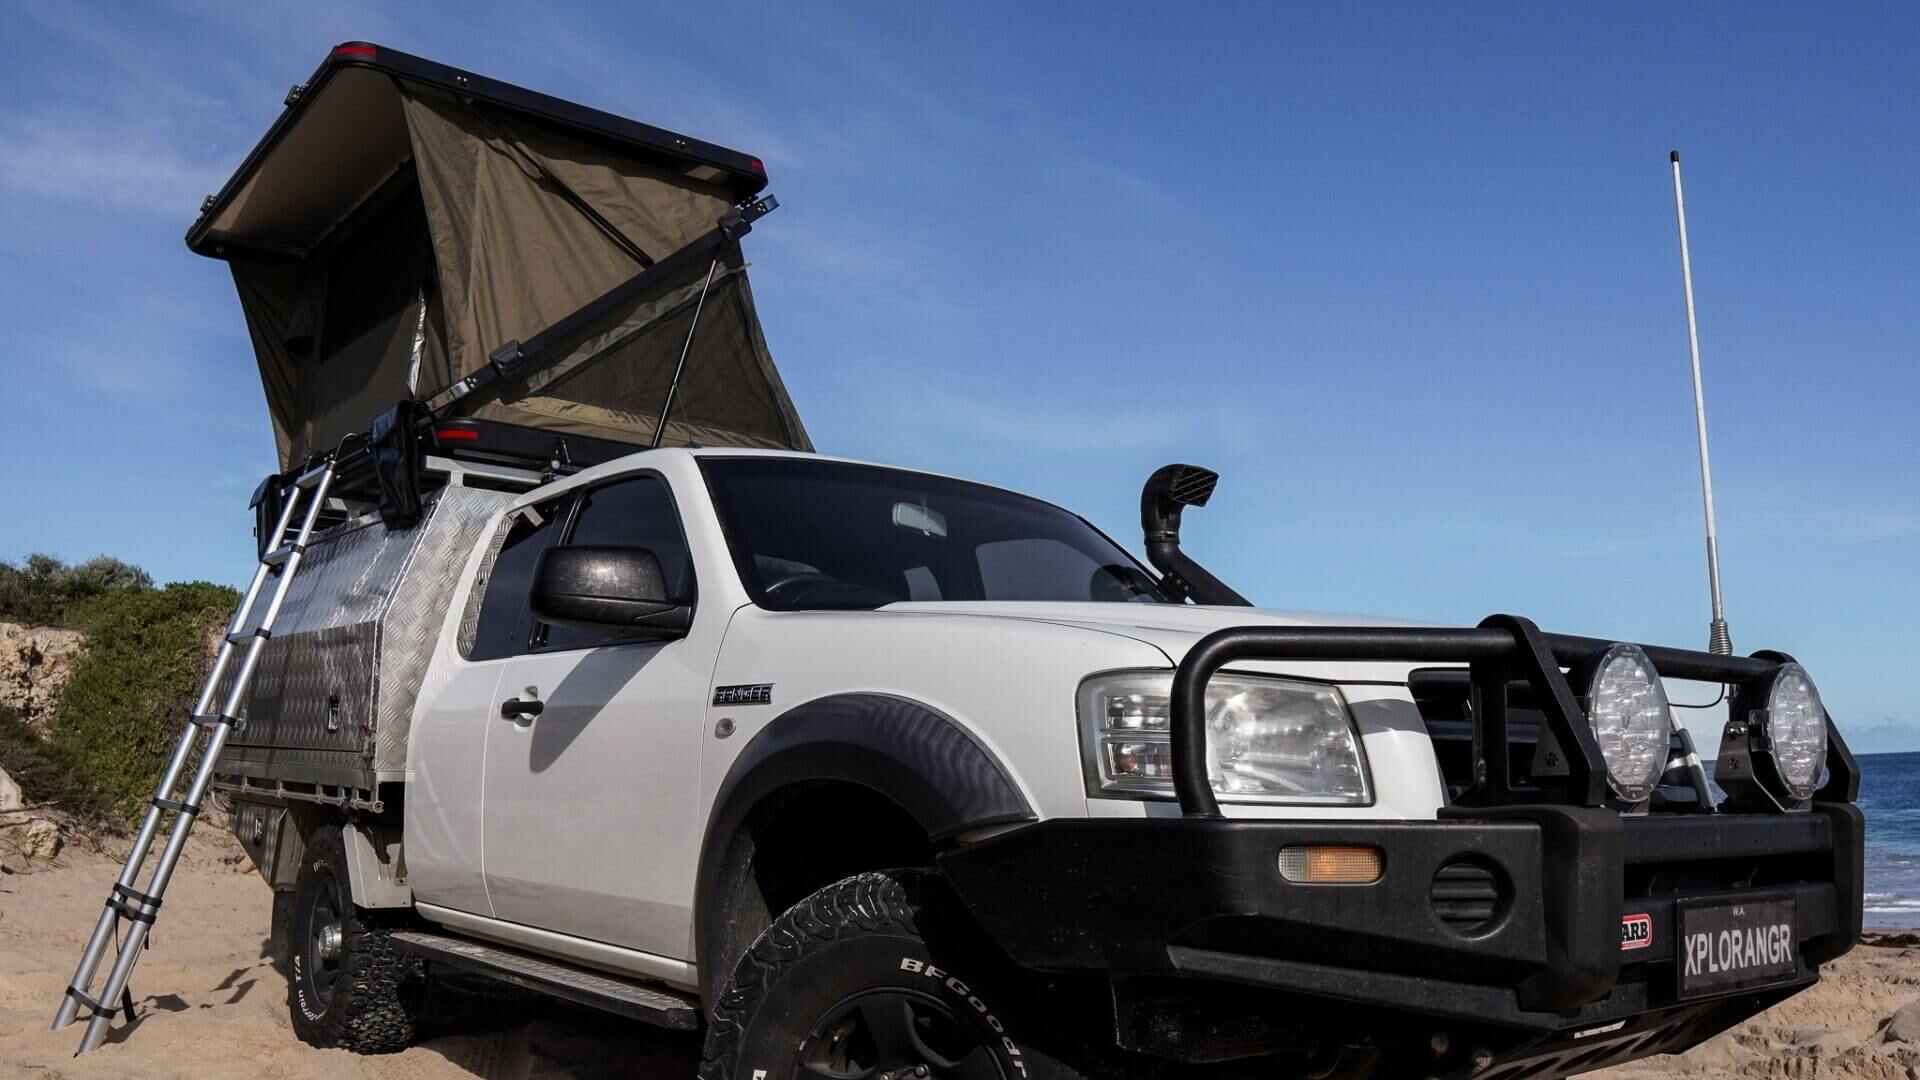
[813, 535]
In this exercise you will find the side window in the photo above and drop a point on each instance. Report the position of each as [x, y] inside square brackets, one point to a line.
[505, 622]
[637, 512]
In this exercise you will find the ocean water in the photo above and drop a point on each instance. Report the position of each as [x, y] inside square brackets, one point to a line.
[1890, 797]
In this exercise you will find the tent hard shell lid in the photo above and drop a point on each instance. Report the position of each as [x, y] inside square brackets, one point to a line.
[406, 231]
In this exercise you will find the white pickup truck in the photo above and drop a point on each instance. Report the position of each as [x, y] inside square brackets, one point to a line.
[873, 773]
[884, 769]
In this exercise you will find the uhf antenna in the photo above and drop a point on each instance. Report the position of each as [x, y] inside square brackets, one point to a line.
[1720, 641]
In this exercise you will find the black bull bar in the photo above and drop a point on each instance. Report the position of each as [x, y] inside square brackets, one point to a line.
[1502, 652]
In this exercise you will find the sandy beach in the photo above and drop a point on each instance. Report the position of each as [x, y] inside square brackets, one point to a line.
[211, 1007]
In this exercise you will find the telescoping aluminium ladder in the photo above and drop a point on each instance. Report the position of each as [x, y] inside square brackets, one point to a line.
[206, 731]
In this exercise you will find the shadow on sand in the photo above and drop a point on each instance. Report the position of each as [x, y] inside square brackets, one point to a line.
[498, 1033]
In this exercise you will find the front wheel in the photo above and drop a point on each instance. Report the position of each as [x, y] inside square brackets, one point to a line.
[845, 986]
[347, 985]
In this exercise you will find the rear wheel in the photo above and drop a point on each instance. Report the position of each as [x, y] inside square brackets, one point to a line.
[347, 985]
[846, 986]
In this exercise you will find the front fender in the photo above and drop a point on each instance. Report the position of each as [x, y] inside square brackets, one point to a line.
[913, 755]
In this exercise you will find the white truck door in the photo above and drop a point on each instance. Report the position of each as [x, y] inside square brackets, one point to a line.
[591, 818]
[450, 730]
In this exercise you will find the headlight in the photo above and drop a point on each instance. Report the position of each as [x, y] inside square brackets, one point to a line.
[1627, 706]
[1268, 740]
[1796, 728]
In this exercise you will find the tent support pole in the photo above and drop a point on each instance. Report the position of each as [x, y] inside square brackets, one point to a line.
[666, 407]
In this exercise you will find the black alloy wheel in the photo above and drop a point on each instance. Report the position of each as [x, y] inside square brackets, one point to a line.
[895, 1035]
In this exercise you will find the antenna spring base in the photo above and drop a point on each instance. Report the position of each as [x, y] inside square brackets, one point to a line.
[1720, 641]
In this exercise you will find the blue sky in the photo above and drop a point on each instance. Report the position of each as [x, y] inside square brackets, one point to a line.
[1406, 276]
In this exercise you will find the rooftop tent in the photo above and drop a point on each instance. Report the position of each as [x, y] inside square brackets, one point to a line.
[402, 221]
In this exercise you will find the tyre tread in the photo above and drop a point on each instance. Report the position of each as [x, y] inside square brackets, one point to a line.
[872, 902]
[377, 999]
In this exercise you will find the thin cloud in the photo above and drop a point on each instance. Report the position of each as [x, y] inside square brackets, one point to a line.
[1847, 524]
[71, 159]
[147, 345]
[1868, 526]
[1050, 426]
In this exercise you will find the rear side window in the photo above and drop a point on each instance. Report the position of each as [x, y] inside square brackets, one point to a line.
[636, 512]
[505, 622]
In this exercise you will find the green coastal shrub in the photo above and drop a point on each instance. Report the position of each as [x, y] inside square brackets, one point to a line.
[119, 718]
[44, 591]
[120, 715]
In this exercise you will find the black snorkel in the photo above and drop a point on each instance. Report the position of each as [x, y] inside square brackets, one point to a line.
[1170, 489]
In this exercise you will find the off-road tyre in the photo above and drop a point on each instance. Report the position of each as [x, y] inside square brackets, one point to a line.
[866, 940]
[280, 932]
[368, 996]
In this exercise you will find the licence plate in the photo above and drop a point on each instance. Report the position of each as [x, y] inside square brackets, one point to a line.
[1726, 946]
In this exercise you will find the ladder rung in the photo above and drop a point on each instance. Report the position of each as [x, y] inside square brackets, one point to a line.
[124, 900]
[279, 556]
[96, 1009]
[312, 476]
[241, 637]
[210, 720]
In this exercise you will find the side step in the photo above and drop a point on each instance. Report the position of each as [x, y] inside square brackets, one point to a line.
[650, 1003]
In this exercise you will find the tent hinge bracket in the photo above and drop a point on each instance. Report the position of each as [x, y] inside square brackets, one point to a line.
[739, 221]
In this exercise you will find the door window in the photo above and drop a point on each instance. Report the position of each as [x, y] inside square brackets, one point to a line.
[505, 622]
[636, 512]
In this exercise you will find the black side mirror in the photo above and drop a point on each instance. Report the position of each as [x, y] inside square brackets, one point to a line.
[607, 588]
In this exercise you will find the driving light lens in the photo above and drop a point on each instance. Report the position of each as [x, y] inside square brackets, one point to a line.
[1627, 707]
[1796, 727]
[1268, 740]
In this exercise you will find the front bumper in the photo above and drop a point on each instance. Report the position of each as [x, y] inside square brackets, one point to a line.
[1172, 901]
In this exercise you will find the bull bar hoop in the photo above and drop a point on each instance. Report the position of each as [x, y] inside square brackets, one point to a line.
[1502, 651]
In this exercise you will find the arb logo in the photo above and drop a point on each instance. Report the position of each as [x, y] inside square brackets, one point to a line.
[1636, 932]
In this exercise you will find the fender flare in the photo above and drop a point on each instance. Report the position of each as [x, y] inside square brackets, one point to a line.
[907, 752]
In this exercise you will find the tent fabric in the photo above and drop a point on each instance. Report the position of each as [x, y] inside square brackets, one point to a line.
[494, 228]
[613, 378]
[340, 336]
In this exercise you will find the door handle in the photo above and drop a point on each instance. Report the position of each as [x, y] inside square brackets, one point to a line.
[516, 709]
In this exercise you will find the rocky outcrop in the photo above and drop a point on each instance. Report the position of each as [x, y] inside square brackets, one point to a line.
[35, 664]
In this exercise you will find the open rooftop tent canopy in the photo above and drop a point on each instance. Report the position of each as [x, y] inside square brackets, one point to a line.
[402, 220]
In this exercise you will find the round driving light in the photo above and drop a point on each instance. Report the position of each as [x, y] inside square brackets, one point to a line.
[1627, 707]
[1796, 727]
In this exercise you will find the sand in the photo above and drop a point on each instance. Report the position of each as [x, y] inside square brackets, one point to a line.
[211, 1007]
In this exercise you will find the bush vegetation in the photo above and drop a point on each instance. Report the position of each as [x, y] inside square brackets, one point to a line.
[43, 591]
[120, 715]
